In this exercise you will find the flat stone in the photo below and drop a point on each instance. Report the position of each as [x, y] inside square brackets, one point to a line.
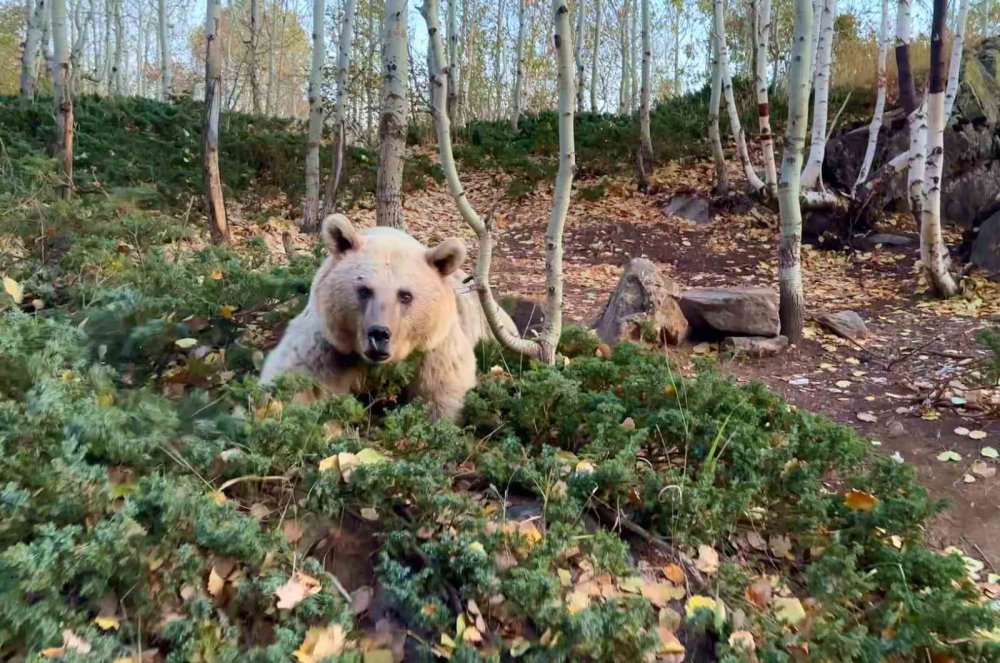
[755, 346]
[846, 324]
[742, 311]
[890, 239]
[689, 206]
[644, 301]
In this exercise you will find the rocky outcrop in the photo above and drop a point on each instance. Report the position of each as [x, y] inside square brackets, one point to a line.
[741, 311]
[642, 307]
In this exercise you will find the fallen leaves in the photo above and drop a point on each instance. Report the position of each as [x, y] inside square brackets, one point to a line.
[789, 610]
[71, 643]
[708, 560]
[949, 456]
[14, 289]
[859, 500]
[299, 587]
[320, 643]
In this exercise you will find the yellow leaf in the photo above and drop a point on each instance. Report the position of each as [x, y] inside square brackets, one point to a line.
[674, 573]
[859, 500]
[217, 275]
[699, 602]
[789, 610]
[742, 640]
[577, 601]
[448, 641]
[472, 634]
[708, 559]
[14, 289]
[321, 643]
[368, 513]
[669, 644]
[186, 343]
[565, 579]
[217, 496]
[298, 587]
[227, 311]
[377, 656]
[215, 582]
[328, 463]
[370, 457]
[478, 548]
[659, 593]
[108, 623]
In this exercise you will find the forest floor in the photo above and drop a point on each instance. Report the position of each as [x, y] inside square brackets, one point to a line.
[906, 387]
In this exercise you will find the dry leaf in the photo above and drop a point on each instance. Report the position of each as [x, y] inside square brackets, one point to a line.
[215, 582]
[674, 573]
[659, 593]
[859, 500]
[321, 643]
[867, 417]
[759, 593]
[298, 587]
[708, 559]
[14, 289]
[107, 623]
[977, 435]
[789, 610]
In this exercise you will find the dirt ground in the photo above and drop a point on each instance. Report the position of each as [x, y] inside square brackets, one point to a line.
[907, 387]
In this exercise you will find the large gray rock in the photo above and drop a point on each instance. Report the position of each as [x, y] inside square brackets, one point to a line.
[755, 346]
[643, 303]
[986, 246]
[846, 324]
[746, 311]
[689, 206]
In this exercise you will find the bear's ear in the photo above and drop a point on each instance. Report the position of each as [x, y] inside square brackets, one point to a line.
[447, 256]
[339, 235]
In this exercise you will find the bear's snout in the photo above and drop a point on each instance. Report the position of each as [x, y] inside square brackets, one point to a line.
[378, 343]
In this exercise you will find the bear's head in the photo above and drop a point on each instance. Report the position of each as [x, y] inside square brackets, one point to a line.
[382, 294]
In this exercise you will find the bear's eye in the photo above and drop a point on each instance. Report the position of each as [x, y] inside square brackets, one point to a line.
[405, 296]
[364, 293]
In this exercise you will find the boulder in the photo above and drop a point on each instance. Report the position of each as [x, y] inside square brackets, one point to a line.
[644, 302]
[741, 311]
[846, 324]
[527, 314]
[755, 346]
[986, 245]
[890, 239]
[689, 206]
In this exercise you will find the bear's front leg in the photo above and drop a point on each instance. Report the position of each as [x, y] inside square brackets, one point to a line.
[447, 373]
[304, 349]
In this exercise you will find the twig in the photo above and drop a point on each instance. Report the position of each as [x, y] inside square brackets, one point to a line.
[251, 477]
[340, 587]
[906, 355]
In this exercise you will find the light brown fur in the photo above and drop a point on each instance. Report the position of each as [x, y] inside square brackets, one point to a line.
[329, 339]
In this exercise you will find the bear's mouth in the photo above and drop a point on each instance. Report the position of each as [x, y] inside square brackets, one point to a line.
[377, 356]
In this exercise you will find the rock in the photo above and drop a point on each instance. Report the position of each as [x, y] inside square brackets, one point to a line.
[644, 301]
[896, 429]
[755, 346]
[986, 245]
[743, 311]
[890, 239]
[846, 324]
[689, 206]
[527, 315]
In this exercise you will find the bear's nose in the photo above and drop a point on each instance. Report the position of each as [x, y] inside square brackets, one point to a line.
[379, 335]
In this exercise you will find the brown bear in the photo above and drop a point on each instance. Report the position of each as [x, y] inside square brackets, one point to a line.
[378, 297]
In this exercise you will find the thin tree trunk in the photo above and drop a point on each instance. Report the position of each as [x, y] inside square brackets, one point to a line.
[645, 138]
[254, 55]
[714, 105]
[452, 58]
[933, 254]
[753, 181]
[310, 214]
[515, 106]
[78, 51]
[46, 43]
[955, 65]
[676, 26]
[499, 72]
[633, 96]
[463, 76]
[817, 7]
[595, 55]
[116, 69]
[916, 113]
[762, 18]
[624, 85]
[791, 303]
[343, 69]
[372, 67]
[581, 81]
[876, 124]
[214, 204]
[32, 42]
[62, 93]
[813, 172]
[392, 125]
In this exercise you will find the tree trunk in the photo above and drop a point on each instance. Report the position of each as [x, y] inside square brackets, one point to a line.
[462, 79]
[955, 65]
[310, 214]
[254, 56]
[452, 58]
[633, 75]
[46, 43]
[645, 139]
[595, 55]
[813, 172]
[581, 81]
[106, 61]
[340, 125]
[515, 106]
[916, 113]
[78, 51]
[933, 254]
[392, 125]
[62, 94]
[714, 104]
[624, 85]
[116, 69]
[762, 19]
[215, 207]
[499, 64]
[789, 267]
[32, 42]
[876, 124]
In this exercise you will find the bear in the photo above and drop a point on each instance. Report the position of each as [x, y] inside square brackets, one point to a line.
[378, 297]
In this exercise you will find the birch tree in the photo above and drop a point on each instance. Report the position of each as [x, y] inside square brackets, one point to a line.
[813, 171]
[62, 94]
[516, 99]
[594, 57]
[791, 303]
[32, 42]
[544, 347]
[392, 124]
[762, 34]
[310, 213]
[916, 114]
[254, 56]
[933, 254]
[214, 204]
[119, 57]
[452, 58]
[581, 82]
[714, 105]
[876, 124]
[955, 65]
[340, 123]
[645, 138]
[163, 33]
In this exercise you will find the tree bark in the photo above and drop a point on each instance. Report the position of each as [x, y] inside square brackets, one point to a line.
[790, 308]
[876, 124]
[812, 174]
[340, 125]
[714, 104]
[116, 69]
[633, 95]
[310, 213]
[254, 56]
[595, 55]
[581, 81]
[392, 125]
[515, 106]
[214, 204]
[452, 62]
[955, 65]
[624, 85]
[933, 254]
[62, 94]
[645, 138]
[762, 32]
[163, 32]
[32, 41]
[78, 50]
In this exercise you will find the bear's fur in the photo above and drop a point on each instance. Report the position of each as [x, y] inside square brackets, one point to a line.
[378, 297]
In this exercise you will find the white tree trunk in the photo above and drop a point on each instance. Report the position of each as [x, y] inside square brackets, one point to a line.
[62, 94]
[595, 55]
[254, 56]
[32, 41]
[714, 105]
[452, 58]
[116, 69]
[753, 181]
[762, 32]
[163, 34]
[645, 138]
[633, 75]
[340, 124]
[876, 124]
[625, 85]
[516, 100]
[392, 124]
[310, 213]
[581, 81]
[813, 171]
[955, 65]
[789, 265]
[214, 204]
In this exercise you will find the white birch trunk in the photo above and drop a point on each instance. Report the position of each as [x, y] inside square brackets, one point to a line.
[762, 32]
[791, 303]
[633, 95]
[813, 172]
[581, 81]
[595, 55]
[392, 124]
[955, 65]
[254, 56]
[310, 213]
[116, 69]
[340, 125]
[645, 138]
[452, 62]
[876, 124]
[714, 105]
[32, 41]
[63, 97]
[516, 99]
[214, 204]
[817, 7]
